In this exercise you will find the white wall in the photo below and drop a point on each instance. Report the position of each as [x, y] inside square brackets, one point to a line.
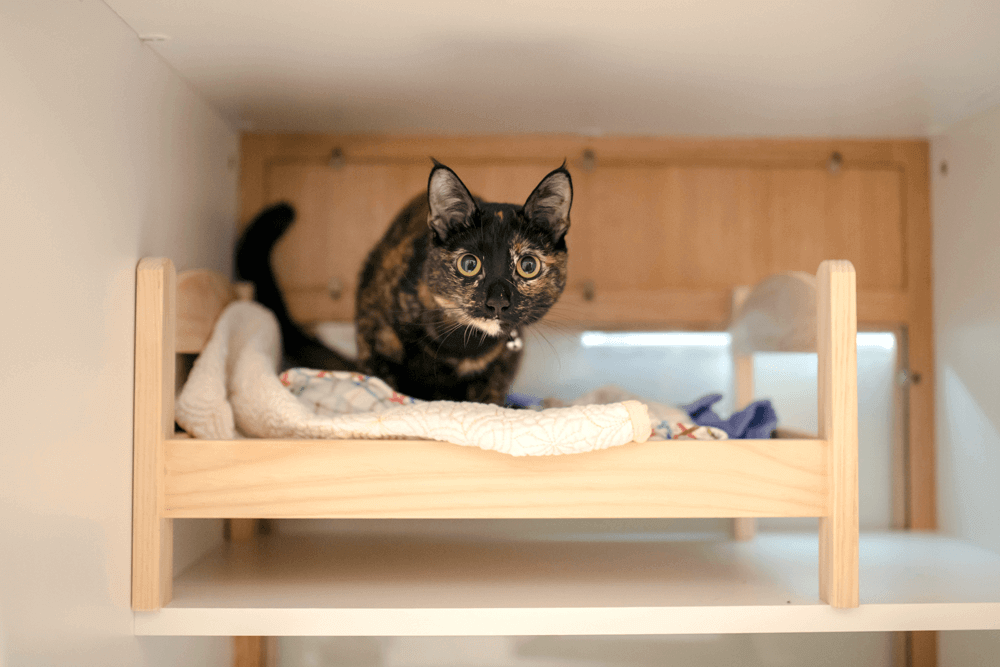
[106, 155]
[967, 326]
[966, 211]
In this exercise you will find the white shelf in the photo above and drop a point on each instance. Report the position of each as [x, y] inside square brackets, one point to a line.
[353, 585]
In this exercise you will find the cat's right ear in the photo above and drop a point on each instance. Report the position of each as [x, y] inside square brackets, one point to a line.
[451, 204]
[549, 204]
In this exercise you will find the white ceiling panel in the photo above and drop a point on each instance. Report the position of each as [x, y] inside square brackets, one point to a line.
[689, 67]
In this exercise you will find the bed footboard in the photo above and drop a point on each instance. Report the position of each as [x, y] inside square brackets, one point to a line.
[179, 477]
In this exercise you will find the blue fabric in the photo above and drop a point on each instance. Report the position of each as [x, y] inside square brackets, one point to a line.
[515, 400]
[756, 421]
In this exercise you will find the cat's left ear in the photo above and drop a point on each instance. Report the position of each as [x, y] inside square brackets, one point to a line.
[549, 204]
[451, 204]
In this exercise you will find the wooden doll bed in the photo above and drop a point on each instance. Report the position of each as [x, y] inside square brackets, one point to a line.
[179, 477]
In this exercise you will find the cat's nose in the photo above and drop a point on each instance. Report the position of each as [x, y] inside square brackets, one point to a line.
[497, 299]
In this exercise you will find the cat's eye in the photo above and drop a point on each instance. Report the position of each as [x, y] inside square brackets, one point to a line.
[528, 266]
[469, 265]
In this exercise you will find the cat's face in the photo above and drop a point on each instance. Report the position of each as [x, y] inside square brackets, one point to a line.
[497, 266]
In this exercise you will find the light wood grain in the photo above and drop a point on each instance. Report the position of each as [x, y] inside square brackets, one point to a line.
[152, 534]
[899, 649]
[681, 308]
[201, 297]
[899, 483]
[254, 652]
[921, 496]
[259, 150]
[915, 649]
[743, 528]
[923, 649]
[836, 320]
[743, 379]
[424, 479]
[707, 214]
[242, 530]
[793, 434]
[621, 308]
[920, 482]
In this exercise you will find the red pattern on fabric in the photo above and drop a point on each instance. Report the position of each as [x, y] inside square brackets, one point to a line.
[689, 432]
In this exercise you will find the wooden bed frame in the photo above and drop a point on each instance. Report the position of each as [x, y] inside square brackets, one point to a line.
[179, 477]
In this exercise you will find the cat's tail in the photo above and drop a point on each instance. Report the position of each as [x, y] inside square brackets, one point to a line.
[253, 264]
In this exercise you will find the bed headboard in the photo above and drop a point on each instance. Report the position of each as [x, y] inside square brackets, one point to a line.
[776, 315]
[202, 295]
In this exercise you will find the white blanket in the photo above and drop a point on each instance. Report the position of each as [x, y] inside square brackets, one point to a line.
[234, 389]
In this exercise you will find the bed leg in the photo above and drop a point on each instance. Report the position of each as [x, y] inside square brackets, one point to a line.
[152, 534]
[254, 652]
[242, 530]
[743, 528]
[836, 323]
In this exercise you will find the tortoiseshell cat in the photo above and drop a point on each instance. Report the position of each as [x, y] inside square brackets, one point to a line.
[444, 295]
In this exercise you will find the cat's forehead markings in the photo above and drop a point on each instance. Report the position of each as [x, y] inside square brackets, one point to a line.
[522, 246]
[500, 216]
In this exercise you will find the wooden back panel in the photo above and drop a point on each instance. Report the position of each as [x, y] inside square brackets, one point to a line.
[663, 230]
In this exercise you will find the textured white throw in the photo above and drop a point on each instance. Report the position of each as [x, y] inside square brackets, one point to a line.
[234, 389]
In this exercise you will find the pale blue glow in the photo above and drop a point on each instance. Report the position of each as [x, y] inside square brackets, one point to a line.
[884, 340]
[654, 338]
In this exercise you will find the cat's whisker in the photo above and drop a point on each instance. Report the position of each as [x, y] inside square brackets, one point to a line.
[444, 338]
[562, 319]
[560, 328]
[555, 351]
[444, 334]
[565, 308]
